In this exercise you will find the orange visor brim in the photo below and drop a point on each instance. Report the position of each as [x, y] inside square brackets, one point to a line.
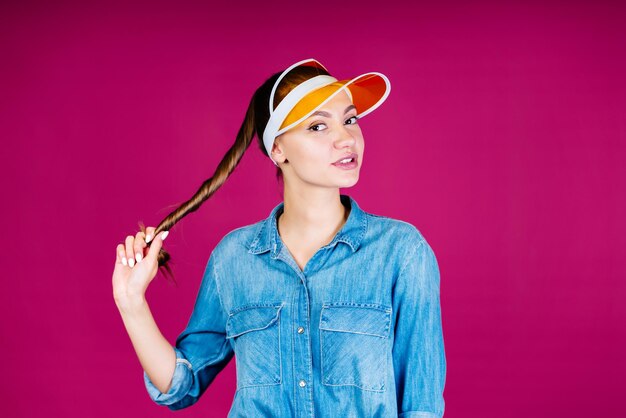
[368, 91]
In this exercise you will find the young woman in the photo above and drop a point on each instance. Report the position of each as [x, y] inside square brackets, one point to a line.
[331, 311]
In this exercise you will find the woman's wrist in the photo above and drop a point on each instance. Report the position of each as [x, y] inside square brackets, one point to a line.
[130, 305]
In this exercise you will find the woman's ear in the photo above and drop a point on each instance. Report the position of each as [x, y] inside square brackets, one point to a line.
[277, 152]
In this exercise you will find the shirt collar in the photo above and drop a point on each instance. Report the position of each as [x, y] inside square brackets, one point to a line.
[352, 232]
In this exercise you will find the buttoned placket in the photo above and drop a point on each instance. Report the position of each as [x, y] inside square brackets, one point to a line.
[301, 341]
[299, 328]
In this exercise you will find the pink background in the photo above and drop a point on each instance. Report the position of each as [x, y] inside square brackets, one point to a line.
[503, 140]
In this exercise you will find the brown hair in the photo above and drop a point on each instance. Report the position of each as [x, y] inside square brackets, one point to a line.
[254, 122]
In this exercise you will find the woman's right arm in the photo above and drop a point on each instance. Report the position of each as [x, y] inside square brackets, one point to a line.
[133, 273]
[174, 376]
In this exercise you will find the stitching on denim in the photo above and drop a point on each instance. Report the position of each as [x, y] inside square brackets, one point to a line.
[217, 283]
[294, 304]
[247, 306]
[274, 319]
[280, 353]
[254, 385]
[322, 336]
[364, 226]
[355, 305]
[418, 414]
[358, 386]
[410, 256]
[257, 237]
[322, 357]
[354, 332]
[378, 306]
[309, 348]
[185, 362]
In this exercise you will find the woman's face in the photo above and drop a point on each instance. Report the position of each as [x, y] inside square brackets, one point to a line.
[313, 147]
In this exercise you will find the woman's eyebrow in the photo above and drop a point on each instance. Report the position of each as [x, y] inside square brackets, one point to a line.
[327, 115]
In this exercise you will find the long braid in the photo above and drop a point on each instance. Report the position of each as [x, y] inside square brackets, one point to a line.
[222, 172]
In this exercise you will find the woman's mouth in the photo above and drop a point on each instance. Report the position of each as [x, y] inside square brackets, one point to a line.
[348, 162]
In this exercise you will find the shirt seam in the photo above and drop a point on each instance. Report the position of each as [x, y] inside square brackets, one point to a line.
[217, 285]
[213, 276]
[410, 256]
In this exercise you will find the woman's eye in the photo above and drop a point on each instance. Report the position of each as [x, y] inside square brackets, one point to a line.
[315, 127]
[312, 127]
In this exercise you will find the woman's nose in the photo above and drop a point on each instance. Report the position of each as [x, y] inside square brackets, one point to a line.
[345, 137]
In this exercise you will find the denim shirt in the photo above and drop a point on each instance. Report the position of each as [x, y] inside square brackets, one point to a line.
[356, 333]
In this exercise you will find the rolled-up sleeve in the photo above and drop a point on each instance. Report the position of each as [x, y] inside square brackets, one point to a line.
[181, 382]
[418, 351]
[202, 350]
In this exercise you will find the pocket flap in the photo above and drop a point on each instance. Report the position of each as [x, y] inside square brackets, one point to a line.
[358, 318]
[251, 319]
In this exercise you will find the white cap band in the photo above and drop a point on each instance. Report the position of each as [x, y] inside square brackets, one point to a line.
[278, 116]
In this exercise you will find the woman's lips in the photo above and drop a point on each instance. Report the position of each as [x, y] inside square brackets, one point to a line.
[353, 163]
[349, 155]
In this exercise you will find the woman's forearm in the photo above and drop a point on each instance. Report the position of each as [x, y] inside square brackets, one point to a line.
[155, 353]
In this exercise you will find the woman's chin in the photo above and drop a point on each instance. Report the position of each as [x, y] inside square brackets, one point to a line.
[349, 182]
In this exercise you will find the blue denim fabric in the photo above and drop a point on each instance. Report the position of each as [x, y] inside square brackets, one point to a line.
[357, 333]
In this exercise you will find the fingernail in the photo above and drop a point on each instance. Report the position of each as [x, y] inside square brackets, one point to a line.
[124, 261]
[164, 235]
[131, 261]
[148, 238]
[138, 257]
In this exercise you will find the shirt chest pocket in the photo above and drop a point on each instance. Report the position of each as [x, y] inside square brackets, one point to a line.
[354, 343]
[255, 333]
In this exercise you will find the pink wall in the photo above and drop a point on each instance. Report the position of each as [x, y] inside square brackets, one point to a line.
[503, 141]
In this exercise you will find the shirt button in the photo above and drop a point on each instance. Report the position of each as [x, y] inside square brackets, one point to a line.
[302, 383]
[300, 330]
